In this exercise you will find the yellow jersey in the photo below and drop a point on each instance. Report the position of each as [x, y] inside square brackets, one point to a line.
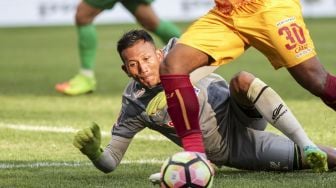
[226, 6]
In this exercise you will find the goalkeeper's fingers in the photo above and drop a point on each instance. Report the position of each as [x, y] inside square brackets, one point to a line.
[83, 137]
[77, 141]
[95, 130]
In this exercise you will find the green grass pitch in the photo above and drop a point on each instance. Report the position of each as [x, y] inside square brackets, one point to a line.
[37, 124]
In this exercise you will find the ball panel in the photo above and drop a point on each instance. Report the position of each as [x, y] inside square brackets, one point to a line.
[186, 168]
[175, 175]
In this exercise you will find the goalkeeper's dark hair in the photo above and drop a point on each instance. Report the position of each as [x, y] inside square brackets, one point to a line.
[132, 37]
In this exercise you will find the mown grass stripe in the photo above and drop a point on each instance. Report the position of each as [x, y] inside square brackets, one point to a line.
[68, 129]
[71, 164]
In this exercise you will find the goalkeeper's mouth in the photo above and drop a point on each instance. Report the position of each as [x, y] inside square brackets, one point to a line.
[149, 81]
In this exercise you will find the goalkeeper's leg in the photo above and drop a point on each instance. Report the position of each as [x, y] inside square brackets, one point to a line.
[252, 92]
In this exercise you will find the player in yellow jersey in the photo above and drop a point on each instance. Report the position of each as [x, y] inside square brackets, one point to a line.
[276, 29]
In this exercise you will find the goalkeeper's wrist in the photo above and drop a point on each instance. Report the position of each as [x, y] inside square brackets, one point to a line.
[94, 156]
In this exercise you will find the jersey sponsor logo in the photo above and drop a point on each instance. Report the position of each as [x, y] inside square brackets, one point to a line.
[277, 113]
[139, 93]
[303, 52]
[302, 47]
[285, 21]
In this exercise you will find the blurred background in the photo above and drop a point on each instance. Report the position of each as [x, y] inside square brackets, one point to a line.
[16, 13]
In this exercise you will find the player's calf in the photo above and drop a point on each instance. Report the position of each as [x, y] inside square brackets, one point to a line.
[329, 95]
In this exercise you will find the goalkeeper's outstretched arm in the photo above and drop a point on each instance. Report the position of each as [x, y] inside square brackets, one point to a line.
[88, 141]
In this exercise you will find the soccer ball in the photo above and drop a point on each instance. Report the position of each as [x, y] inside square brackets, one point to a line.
[186, 169]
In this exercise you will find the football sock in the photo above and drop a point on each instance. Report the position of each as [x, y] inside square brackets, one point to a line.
[193, 142]
[166, 30]
[297, 162]
[87, 72]
[329, 96]
[183, 109]
[274, 110]
[87, 44]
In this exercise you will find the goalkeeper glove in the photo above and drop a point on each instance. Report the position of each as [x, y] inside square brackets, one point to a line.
[88, 142]
[156, 104]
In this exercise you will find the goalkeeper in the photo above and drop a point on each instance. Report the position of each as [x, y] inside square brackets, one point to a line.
[232, 118]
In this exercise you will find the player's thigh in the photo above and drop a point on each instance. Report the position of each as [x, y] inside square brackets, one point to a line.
[210, 35]
[260, 150]
[146, 16]
[102, 4]
[85, 13]
[280, 33]
[132, 5]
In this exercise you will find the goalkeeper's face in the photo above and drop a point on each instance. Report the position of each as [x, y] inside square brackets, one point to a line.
[141, 62]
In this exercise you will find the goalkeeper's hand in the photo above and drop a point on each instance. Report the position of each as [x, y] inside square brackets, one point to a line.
[88, 141]
[156, 104]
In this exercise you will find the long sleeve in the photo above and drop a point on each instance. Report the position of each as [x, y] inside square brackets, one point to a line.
[112, 155]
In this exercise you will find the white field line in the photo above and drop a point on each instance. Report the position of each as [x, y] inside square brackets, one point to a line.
[71, 164]
[39, 128]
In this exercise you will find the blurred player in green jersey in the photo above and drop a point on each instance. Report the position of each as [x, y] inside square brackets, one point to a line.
[87, 10]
